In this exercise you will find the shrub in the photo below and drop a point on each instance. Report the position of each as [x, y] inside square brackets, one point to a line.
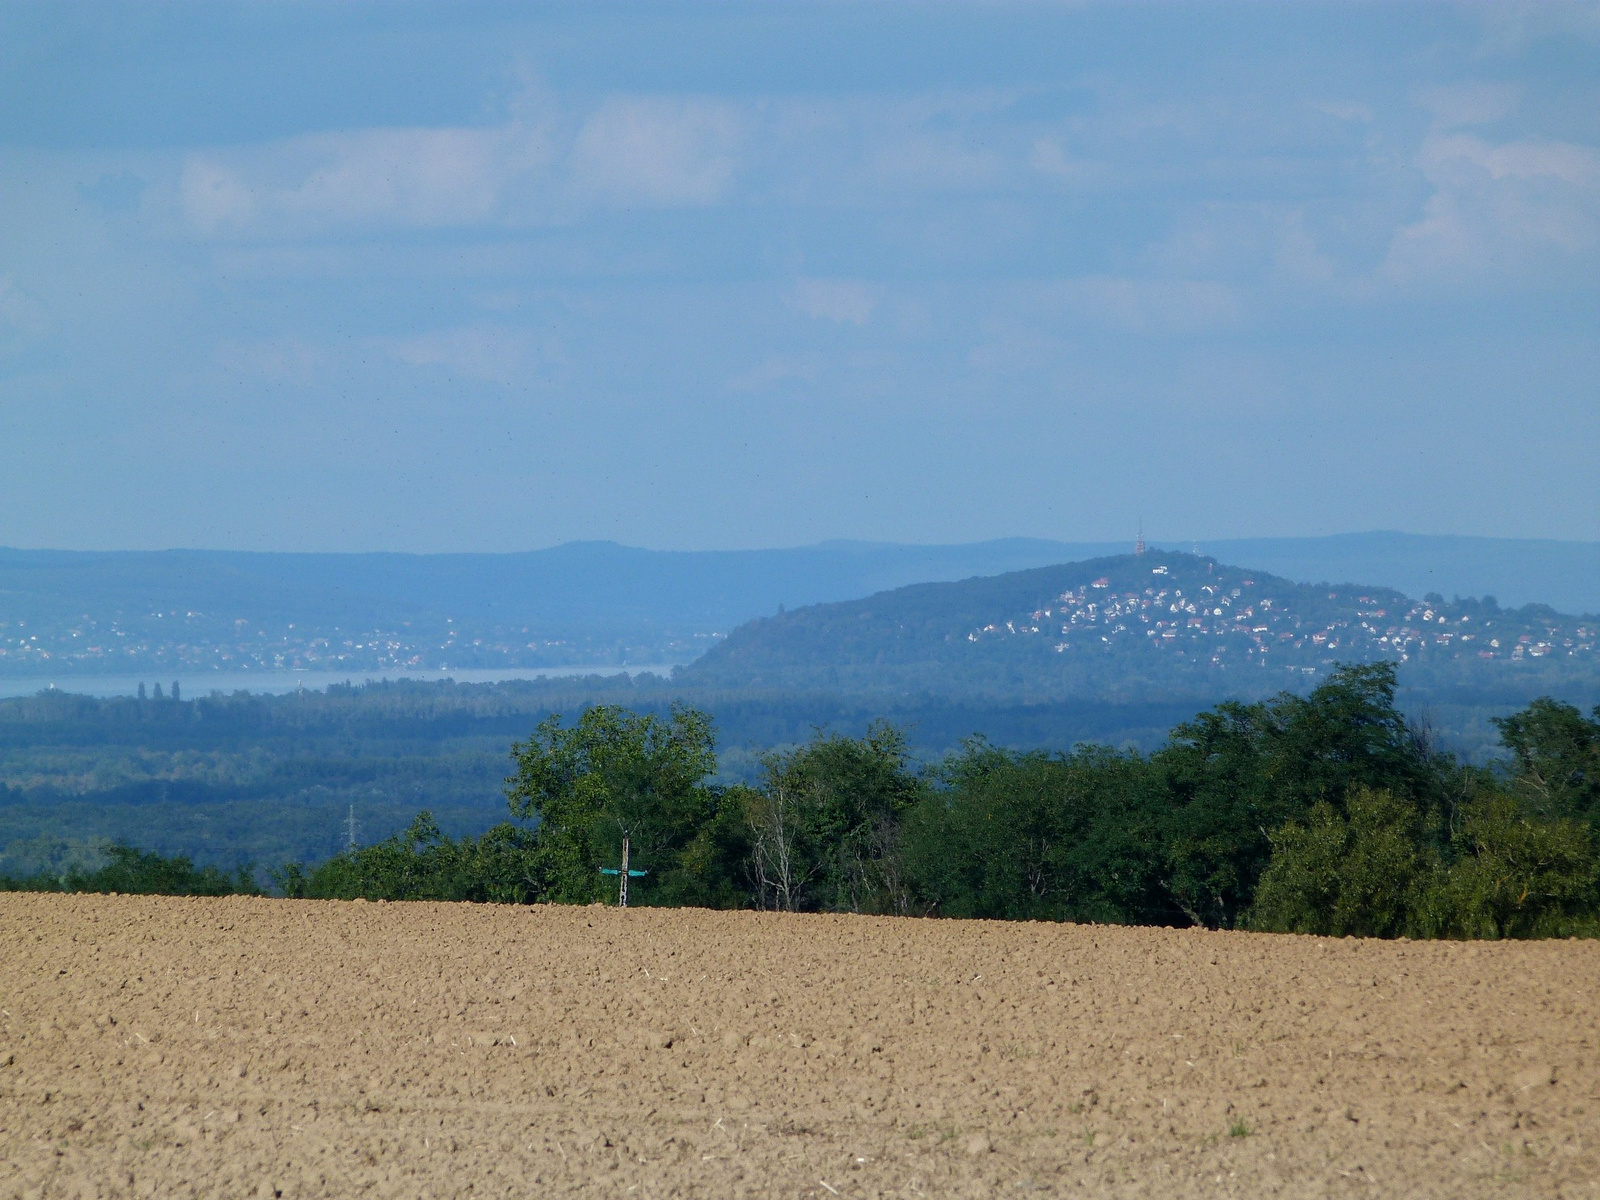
[422, 863]
[132, 872]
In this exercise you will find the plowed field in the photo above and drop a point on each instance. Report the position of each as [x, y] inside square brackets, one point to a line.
[168, 1047]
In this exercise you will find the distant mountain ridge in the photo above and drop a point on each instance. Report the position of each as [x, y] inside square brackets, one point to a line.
[1132, 628]
[595, 603]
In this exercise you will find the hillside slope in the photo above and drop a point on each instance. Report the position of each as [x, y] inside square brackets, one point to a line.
[1129, 627]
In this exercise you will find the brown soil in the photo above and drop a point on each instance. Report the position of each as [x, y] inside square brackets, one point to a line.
[166, 1047]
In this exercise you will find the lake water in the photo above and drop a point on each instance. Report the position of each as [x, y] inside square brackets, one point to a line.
[278, 682]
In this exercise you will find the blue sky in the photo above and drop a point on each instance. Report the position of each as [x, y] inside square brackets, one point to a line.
[430, 277]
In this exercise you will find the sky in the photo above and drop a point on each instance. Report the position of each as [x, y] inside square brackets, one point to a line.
[348, 276]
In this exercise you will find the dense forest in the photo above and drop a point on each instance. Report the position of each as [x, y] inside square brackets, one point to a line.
[251, 778]
[260, 778]
[1327, 812]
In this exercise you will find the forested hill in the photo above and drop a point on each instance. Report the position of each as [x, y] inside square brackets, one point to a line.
[1135, 627]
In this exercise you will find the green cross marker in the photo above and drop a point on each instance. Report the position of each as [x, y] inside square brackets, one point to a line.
[623, 876]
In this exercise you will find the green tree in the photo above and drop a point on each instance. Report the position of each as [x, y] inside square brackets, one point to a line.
[1514, 875]
[129, 871]
[1038, 837]
[615, 774]
[422, 863]
[824, 823]
[1357, 871]
[1240, 770]
[1555, 753]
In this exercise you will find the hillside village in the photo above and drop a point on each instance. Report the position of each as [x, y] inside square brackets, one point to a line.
[1224, 616]
[1143, 627]
[1182, 607]
[195, 642]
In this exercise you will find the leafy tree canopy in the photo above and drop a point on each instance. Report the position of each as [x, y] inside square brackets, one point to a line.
[615, 774]
[1556, 756]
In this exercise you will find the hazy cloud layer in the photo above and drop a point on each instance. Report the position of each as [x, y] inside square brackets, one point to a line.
[759, 275]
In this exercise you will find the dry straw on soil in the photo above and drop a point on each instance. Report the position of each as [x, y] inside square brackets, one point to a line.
[239, 1047]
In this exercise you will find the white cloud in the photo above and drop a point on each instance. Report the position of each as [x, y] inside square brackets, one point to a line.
[1048, 158]
[1565, 162]
[1498, 210]
[1013, 349]
[825, 150]
[490, 354]
[775, 369]
[936, 160]
[842, 300]
[395, 177]
[412, 176]
[1511, 27]
[834, 151]
[212, 196]
[1297, 256]
[658, 150]
[631, 150]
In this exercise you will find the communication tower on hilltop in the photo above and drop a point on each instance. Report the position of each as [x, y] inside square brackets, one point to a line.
[1138, 546]
[350, 829]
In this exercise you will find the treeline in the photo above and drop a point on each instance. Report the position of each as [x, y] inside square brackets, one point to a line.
[414, 715]
[131, 872]
[1326, 813]
[270, 779]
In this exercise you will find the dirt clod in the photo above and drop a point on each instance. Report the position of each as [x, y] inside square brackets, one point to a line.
[303, 1049]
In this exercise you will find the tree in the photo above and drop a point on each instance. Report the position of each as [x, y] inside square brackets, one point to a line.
[1377, 868]
[422, 863]
[1360, 871]
[615, 774]
[132, 872]
[1555, 758]
[784, 862]
[824, 823]
[1515, 875]
[1239, 770]
[1038, 837]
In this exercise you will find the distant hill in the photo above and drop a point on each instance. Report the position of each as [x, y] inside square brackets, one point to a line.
[1132, 628]
[66, 613]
